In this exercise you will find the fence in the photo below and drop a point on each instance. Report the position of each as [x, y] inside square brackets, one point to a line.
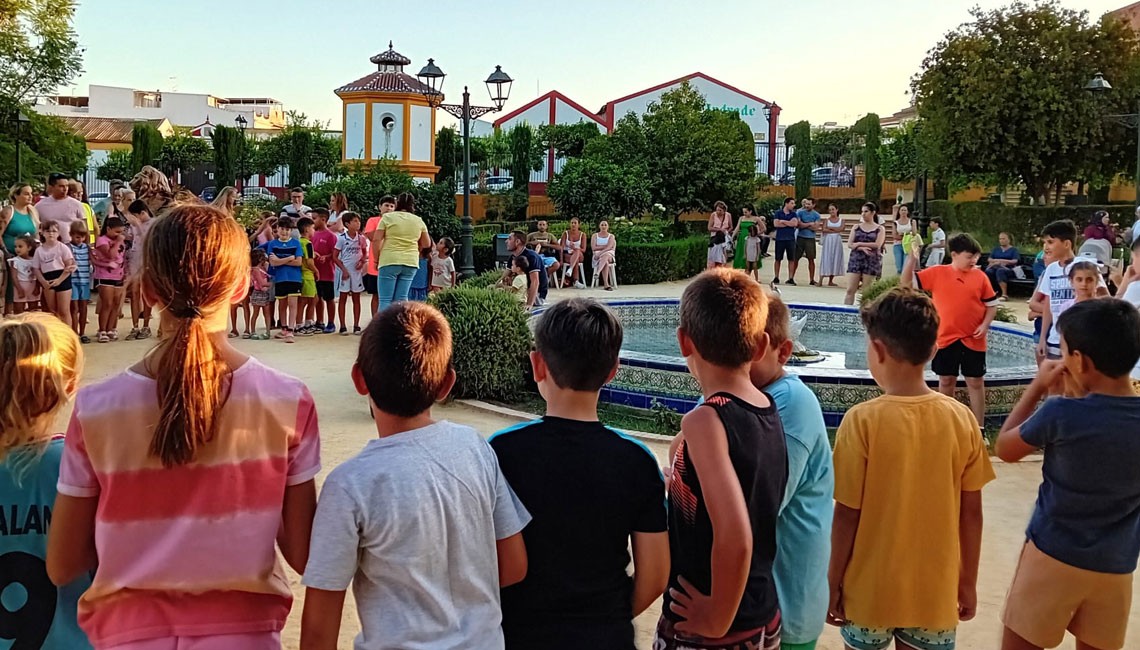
[537, 206]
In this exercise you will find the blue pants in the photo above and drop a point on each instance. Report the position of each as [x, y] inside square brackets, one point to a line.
[900, 257]
[393, 284]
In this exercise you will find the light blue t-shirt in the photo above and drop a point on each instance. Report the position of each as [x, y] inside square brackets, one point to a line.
[803, 531]
[807, 216]
[27, 495]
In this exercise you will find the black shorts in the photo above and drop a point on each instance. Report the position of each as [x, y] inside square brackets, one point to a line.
[785, 249]
[286, 289]
[805, 248]
[107, 283]
[325, 290]
[957, 359]
[62, 286]
[370, 285]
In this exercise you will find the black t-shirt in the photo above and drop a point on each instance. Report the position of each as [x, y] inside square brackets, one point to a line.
[759, 454]
[534, 263]
[587, 488]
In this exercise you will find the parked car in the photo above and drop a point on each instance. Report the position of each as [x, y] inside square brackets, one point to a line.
[257, 193]
[208, 193]
[96, 196]
[499, 183]
[823, 177]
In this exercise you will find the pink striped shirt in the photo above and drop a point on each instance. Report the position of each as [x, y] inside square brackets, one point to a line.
[188, 550]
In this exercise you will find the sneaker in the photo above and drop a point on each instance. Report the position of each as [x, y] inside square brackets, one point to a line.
[344, 331]
[330, 328]
[356, 331]
[775, 280]
[103, 338]
[814, 283]
[145, 333]
[85, 339]
[790, 282]
[114, 334]
[579, 285]
[1002, 298]
[306, 330]
[288, 337]
[133, 334]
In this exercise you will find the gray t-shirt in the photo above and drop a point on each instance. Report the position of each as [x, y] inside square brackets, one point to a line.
[411, 521]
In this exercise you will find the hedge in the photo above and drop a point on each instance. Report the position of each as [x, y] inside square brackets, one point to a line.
[638, 263]
[490, 342]
[984, 219]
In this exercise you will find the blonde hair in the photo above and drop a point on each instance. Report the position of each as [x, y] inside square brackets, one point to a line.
[221, 201]
[152, 186]
[40, 363]
[15, 190]
[195, 257]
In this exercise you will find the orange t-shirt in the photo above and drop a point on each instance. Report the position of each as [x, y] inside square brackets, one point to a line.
[369, 230]
[961, 298]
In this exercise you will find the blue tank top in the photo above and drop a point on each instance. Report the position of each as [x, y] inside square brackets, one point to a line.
[35, 613]
[20, 224]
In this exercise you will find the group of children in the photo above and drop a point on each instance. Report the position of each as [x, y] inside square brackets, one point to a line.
[178, 478]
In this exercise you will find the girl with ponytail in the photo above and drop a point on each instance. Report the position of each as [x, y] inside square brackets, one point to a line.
[180, 476]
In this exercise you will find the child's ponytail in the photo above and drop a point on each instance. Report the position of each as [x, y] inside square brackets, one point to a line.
[195, 258]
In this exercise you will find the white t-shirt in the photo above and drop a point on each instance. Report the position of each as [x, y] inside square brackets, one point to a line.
[1055, 286]
[411, 522]
[442, 270]
[351, 249]
[1132, 295]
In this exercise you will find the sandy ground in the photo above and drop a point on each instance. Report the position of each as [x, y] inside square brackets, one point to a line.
[323, 363]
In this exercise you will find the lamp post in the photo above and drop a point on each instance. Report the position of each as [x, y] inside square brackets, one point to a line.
[21, 120]
[499, 87]
[242, 123]
[1100, 85]
[920, 187]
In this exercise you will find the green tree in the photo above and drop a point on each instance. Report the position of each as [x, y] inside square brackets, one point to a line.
[117, 165]
[1003, 94]
[593, 189]
[568, 140]
[302, 146]
[831, 146]
[448, 155]
[227, 142]
[39, 51]
[872, 133]
[798, 137]
[46, 145]
[183, 152]
[146, 145]
[899, 156]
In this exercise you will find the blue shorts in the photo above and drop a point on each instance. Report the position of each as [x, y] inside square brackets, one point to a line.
[548, 261]
[879, 638]
[81, 291]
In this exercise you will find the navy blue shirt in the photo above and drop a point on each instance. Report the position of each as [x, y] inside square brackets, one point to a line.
[1088, 506]
[534, 263]
[999, 254]
[784, 233]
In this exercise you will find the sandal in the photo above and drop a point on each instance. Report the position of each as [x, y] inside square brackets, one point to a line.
[233, 335]
[247, 336]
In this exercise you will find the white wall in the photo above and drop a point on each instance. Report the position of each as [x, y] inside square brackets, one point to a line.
[421, 148]
[182, 109]
[354, 131]
[387, 144]
[717, 96]
[536, 115]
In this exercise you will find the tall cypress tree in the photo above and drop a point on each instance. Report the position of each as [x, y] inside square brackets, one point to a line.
[146, 145]
[227, 154]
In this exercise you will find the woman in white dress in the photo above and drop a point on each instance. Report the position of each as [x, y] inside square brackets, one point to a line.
[831, 261]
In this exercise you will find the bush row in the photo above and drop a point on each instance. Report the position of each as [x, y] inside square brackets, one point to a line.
[984, 220]
[490, 342]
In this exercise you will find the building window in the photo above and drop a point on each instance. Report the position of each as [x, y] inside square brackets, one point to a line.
[148, 100]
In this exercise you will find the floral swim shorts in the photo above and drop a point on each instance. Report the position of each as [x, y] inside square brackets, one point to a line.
[879, 638]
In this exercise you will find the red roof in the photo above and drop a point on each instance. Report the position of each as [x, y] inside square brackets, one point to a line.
[384, 82]
[553, 95]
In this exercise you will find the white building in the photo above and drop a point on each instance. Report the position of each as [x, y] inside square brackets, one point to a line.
[181, 109]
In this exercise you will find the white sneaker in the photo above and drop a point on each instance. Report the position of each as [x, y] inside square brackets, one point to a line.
[579, 285]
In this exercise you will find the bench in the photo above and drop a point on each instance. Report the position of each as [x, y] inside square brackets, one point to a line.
[1021, 287]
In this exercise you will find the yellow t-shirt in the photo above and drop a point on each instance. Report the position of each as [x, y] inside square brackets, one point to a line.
[903, 462]
[401, 239]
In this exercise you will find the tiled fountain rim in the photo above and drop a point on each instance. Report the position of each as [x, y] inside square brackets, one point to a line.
[1018, 374]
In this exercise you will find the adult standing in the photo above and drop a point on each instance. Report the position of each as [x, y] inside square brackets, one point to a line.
[396, 246]
[746, 221]
[537, 283]
[58, 206]
[719, 221]
[16, 220]
[371, 282]
[786, 224]
[103, 206]
[338, 205]
[805, 240]
[153, 188]
[573, 245]
[296, 207]
[904, 230]
[831, 259]
[227, 201]
[866, 244]
[76, 191]
[604, 245]
[1003, 259]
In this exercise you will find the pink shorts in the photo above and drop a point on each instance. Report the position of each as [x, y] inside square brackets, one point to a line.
[31, 292]
[255, 641]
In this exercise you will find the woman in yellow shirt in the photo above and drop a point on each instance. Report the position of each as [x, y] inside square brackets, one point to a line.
[396, 246]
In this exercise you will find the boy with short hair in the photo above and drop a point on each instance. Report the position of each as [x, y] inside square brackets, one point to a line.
[909, 469]
[421, 522]
[966, 304]
[285, 259]
[1075, 571]
[324, 247]
[1054, 292]
[308, 303]
[80, 278]
[577, 593]
[350, 257]
[937, 243]
[371, 278]
[728, 477]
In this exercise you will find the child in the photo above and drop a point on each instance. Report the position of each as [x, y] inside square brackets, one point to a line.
[966, 304]
[350, 257]
[182, 476]
[752, 252]
[728, 477]
[443, 266]
[141, 219]
[907, 532]
[1055, 293]
[421, 522]
[324, 247]
[716, 257]
[1075, 571]
[579, 546]
[1084, 277]
[80, 279]
[109, 273]
[54, 266]
[937, 243]
[285, 257]
[421, 282]
[26, 292]
[308, 302]
[41, 366]
[514, 279]
[260, 295]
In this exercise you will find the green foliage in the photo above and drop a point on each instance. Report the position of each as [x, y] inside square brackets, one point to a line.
[448, 155]
[798, 136]
[1004, 95]
[765, 205]
[227, 154]
[39, 51]
[117, 165]
[899, 156]
[146, 145]
[183, 152]
[302, 146]
[490, 341]
[872, 132]
[832, 146]
[592, 189]
[984, 220]
[666, 421]
[1005, 315]
[484, 280]
[46, 145]
[568, 140]
[640, 263]
[878, 288]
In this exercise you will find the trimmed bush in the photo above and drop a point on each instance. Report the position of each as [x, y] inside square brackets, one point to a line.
[484, 280]
[984, 219]
[490, 341]
[877, 288]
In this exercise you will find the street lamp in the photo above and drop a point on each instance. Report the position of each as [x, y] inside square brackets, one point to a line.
[499, 87]
[21, 120]
[242, 123]
[1100, 85]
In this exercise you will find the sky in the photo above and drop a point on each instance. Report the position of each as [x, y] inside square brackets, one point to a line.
[820, 60]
